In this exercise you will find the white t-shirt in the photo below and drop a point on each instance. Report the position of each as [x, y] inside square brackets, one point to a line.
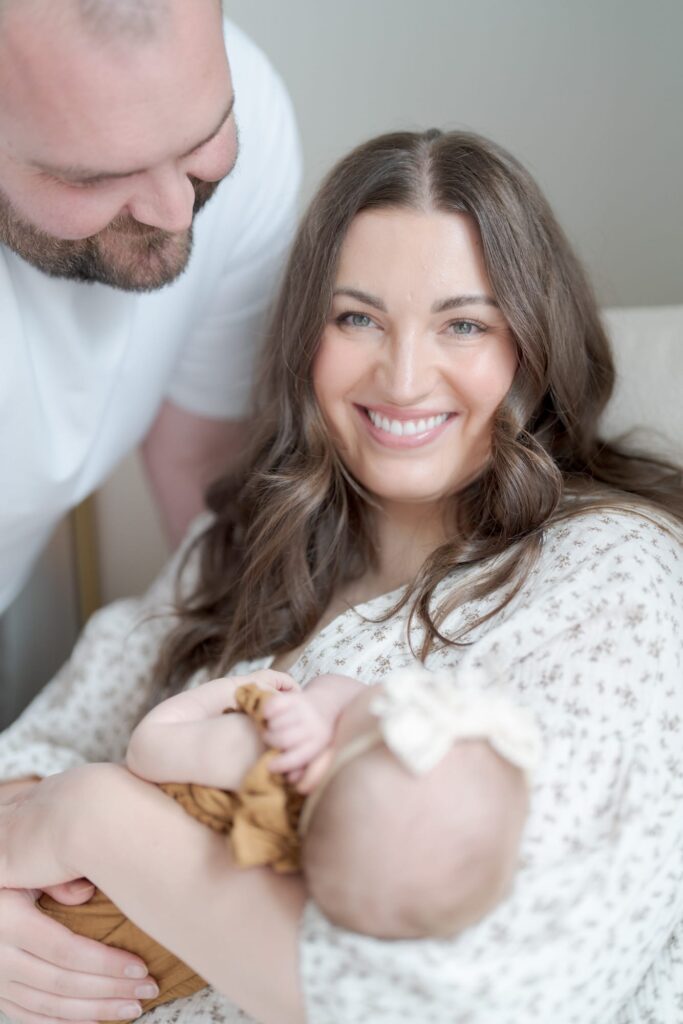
[85, 367]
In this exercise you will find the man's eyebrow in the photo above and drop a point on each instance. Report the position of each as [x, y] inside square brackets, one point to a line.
[365, 297]
[456, 301]
[83, 174]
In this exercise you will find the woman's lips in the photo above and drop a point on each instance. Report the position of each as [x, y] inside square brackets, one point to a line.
[412, 432]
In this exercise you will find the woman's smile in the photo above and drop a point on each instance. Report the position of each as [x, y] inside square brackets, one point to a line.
[398, 428]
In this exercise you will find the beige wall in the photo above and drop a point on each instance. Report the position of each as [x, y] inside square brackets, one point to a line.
[588, 93]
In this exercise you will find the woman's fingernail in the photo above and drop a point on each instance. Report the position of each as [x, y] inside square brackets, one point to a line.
[129, 1010]
[146, 991]
[135, 971]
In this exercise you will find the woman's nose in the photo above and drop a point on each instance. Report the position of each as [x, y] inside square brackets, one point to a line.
[406, 371]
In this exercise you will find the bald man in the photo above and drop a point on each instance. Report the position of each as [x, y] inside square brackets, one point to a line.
[129, 313]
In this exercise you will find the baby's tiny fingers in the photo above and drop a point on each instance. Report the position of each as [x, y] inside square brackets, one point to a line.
[277, 705]
[288, 685]
[285, 718]
[292, 759]
[285, 737]
[272, 679]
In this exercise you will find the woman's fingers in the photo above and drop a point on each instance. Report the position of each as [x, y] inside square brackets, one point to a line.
[29, 971]
[46, 1004]
[72, 893]
[38, 934]
[40, 959]
[22, 1016]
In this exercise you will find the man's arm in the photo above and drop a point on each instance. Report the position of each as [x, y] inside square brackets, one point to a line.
[182, 454]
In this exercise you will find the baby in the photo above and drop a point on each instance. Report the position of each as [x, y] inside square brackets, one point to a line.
[416, 792]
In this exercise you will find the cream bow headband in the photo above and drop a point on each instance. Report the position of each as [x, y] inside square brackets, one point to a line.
[421, 714]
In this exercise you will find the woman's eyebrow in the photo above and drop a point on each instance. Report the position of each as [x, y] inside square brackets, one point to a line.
[455, 301]
[365, 297]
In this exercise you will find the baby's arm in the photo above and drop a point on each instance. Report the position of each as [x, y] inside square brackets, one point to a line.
[187, 738]
[302, 724]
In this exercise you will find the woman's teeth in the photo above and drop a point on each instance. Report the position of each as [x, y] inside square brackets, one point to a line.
[401, 428]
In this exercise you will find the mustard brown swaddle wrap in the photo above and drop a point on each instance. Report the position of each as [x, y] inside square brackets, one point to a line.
[261, 821]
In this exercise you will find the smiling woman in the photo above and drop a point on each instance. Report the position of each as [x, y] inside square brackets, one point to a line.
[426, 480]
[429, 277]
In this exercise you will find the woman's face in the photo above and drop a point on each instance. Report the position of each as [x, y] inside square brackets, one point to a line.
[415, 357]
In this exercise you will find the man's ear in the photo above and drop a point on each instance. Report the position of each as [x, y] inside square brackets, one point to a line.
[315, 771]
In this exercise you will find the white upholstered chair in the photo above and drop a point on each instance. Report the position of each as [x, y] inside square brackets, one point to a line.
[648, 351]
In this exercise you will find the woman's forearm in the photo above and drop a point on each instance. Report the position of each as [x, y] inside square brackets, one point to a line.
[176, 879]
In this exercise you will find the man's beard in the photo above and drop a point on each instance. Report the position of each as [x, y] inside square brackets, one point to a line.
[126, 254]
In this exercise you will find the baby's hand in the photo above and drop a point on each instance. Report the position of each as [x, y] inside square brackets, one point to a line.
[269, 679]
[298, 729]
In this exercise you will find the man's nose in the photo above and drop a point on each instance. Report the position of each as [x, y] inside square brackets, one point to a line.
[164, 199]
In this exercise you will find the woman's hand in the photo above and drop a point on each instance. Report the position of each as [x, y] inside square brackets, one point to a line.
[38, 829]
[114, 828]
[49, 974]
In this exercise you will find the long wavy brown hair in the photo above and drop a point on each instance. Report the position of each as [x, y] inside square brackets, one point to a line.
[291, 525]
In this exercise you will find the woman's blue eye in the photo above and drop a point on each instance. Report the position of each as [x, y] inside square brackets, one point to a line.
[466, 328]
[356, 319]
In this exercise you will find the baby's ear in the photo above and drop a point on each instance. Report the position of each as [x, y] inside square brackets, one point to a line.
[315, 771]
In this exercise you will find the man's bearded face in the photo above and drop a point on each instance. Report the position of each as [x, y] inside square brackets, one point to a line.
[111, 142]
[126, 254]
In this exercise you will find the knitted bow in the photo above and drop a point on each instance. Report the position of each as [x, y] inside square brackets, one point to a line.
[420, 714]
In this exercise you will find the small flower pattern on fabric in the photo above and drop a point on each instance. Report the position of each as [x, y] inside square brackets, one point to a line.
[592, 644]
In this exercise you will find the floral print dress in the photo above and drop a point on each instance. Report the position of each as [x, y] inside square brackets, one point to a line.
[592, 645]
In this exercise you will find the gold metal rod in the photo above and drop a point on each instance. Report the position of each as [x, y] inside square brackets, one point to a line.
[84, 531]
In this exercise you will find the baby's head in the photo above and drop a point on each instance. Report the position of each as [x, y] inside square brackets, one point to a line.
[396, 855]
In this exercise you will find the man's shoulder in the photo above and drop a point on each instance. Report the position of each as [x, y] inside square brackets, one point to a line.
[256, 204]
[256, 82]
